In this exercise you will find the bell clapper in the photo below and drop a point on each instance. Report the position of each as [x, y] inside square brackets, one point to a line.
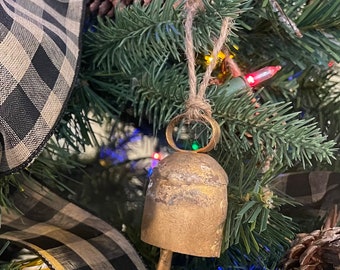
[165, 258]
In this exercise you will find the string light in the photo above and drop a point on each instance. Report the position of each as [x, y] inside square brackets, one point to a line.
[156, 156]
[299, 73]
[195, 146]
[248, 81]
[261, 75]
[331, 63]
[220, 56]
[295, 75]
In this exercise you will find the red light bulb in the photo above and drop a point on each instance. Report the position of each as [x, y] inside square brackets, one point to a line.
[261, 75]
[156, 156]
[331, 63]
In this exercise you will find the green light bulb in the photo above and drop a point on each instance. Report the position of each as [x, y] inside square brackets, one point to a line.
[195, 146]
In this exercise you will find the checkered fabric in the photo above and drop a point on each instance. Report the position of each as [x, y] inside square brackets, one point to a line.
[318, 191]
[39, 52]
[64, 235]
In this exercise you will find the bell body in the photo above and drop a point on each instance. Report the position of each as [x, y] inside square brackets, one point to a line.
[186, 205]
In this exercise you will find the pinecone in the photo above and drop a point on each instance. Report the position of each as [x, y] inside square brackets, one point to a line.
[107, 7]
[319, 249]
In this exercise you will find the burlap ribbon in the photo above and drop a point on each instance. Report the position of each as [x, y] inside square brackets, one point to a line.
[39, 53]
[64, 235]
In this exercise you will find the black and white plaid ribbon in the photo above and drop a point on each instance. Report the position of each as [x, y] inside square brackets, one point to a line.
[39, 58]
[39, 53]
[64, 235]
[317, 191]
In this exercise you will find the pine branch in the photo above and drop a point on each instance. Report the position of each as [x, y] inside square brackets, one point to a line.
[320, 15]
[278, 143]
[275, 132]
[7, 183]
[318, 22]
[148, 31]
[320, 99]
[256, 233]
[250, 207]
[160, 94]
[153, 32]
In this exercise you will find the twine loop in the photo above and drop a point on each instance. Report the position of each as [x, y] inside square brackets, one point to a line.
[198, 108]
[196, 103]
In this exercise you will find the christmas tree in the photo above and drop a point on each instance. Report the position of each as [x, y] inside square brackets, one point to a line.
[134, 76]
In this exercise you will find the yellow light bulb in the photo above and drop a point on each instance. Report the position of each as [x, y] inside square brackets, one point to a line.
[208, 59]
[221, 55]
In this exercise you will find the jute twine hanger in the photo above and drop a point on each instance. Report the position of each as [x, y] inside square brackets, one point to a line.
[197, 107]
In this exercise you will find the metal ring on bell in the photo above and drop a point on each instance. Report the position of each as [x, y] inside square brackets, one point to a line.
[215, 136]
